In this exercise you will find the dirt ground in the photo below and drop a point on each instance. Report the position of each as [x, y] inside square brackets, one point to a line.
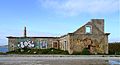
[57, 60]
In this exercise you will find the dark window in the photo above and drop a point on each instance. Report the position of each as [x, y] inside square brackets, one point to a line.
[55, 45]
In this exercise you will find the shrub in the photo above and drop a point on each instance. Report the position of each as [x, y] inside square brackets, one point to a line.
[76, 53]
[1, 53]
[114, 48]
[85, 51]
[38, 51]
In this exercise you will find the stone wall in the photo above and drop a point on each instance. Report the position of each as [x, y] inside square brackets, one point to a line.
[38, 43]
[97, 43]
[96, 40]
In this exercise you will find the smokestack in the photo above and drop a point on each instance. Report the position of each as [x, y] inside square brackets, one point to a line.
[25, 35]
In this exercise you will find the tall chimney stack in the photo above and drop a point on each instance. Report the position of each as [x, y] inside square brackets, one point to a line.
[25, 35]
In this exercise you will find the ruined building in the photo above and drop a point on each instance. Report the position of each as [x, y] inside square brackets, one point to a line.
[91, 36]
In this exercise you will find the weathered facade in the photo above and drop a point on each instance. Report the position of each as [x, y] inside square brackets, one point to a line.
[91, 36]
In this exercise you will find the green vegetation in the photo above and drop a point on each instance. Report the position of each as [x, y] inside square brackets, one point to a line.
[85, 51]
[76, 53]
[114, 48]
[37, 51]
[1, 53]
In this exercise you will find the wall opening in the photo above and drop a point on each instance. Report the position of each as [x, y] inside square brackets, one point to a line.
[55, 45]
[43, 44]
[88, 29]
[65, 45]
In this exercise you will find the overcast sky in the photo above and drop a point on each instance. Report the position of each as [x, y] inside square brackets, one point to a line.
[56, 17]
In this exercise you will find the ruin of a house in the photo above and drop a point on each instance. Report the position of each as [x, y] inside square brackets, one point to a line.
[91, 36]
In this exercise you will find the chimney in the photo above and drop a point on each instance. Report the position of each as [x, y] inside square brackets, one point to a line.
[25, 35]
[99, 24]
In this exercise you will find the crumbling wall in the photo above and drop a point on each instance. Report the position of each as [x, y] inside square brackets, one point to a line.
[97, 43]
[97, 27]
